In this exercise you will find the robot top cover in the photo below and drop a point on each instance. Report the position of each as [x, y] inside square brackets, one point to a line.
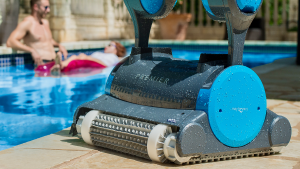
[172, 110]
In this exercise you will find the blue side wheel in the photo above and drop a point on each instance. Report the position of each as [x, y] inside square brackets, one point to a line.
[153, 6]
[248, 6]
[206, 6]
[236, 106]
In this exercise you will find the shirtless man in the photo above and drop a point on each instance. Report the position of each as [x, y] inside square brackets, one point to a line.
[35, 31]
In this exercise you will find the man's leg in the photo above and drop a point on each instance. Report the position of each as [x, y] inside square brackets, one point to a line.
[67, 61]
[55, 70]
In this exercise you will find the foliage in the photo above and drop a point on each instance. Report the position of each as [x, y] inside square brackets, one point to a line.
[293, 29]
[178, 5]
[272, 10]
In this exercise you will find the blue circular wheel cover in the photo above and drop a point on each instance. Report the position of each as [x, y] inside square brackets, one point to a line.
[206, 6]
[248, 6]
[236, 106]
[152, 6]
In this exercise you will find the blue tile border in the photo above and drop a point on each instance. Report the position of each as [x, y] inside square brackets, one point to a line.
[22, 59]
[15, 59]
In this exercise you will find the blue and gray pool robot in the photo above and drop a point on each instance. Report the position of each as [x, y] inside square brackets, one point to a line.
[172, 110]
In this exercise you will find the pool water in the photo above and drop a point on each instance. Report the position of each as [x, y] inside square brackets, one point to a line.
[249, 59]
[33, 107]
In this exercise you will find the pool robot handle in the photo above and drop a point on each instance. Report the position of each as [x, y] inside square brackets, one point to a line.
[238, 15]
[143, 12]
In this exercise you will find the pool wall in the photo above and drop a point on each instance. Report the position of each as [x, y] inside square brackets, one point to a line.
[8, 57]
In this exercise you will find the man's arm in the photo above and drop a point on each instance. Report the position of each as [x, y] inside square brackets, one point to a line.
[54, 43]
[16, 36]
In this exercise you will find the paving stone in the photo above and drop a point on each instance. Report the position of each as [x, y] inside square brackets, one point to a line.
[295, 132]
[66, 142]
[19, 158]
[297, 104]
[289, 105]
[273, 102]
[279, 110]
[292, 150]
[122, 161]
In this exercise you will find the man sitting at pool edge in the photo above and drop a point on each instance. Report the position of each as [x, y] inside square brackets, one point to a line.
[37, 36]
[36, 33]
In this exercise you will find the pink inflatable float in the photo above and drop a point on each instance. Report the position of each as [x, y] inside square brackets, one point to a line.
[44, 70]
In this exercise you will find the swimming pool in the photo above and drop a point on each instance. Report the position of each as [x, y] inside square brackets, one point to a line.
[249, 59]
[32, 107]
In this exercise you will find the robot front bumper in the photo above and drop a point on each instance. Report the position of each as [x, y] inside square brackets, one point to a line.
[169, 135]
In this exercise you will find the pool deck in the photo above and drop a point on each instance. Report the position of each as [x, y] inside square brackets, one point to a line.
[281, 79]
[61, 151]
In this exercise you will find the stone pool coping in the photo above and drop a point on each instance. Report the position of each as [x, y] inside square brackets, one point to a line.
[82, 45]
[62, 151]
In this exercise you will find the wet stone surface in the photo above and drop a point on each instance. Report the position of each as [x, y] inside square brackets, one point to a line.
[281, 82]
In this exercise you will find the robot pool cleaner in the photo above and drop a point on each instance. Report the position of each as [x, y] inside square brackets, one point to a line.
[173, 110]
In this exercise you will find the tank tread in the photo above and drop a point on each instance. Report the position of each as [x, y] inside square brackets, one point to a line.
[120, 141]
[123, 125]
[113, 136]
[118, 148]
[198, 160]
[121, 134]
[150, 141]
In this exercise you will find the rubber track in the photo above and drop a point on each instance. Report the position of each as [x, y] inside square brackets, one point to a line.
[104, 133]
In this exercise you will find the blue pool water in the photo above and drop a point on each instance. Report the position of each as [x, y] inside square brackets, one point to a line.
[249, 59]
[32, 107]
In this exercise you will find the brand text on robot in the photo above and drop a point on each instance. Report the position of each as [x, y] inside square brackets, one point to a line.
[152, 78]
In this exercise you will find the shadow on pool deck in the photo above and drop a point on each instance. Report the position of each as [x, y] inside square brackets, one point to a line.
[281, 79]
